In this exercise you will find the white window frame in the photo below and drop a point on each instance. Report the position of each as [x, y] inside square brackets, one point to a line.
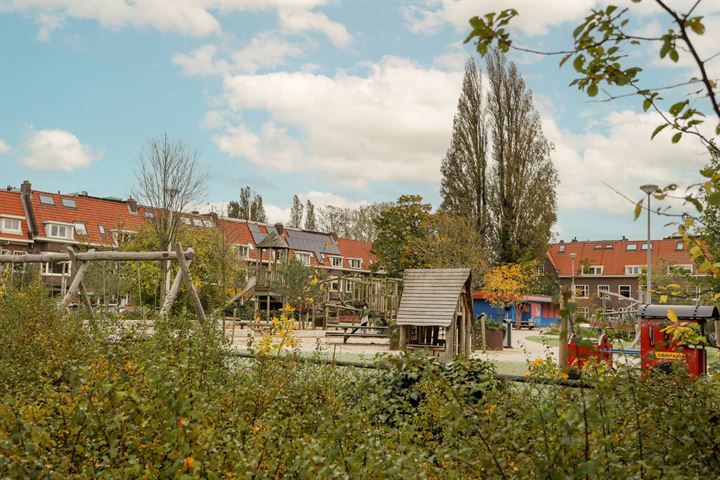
[101, 229]
[46, 269]
[679, 246]
[334, 259]
[82, 226]
[687, 267]
[631, 247]
[601, 289]
[334, 284]
[69, 227]
[629, 287]
[301, 256]
[586, 289]
[583, 311]
[65, 202]
[243, 247]
[42, 196]
[630, 273]
[352, 261]
[5, 229]
[587, 270]
[122, 235]
[561, 248]
[644, 247]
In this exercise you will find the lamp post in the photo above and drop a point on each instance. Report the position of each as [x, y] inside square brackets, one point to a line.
[648, 189]
[572, 278]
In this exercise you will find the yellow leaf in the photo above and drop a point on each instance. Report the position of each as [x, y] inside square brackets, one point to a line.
[672, 315]
[663, 298]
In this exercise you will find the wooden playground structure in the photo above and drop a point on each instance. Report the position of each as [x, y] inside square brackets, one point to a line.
[80, 261]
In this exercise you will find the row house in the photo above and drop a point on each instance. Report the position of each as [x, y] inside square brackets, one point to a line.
[33, 221]
[614, 266]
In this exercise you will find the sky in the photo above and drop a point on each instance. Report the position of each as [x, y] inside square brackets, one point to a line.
[342, 103]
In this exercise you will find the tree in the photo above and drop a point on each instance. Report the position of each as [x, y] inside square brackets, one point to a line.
[399, 228]
[464, 187]
[450, 241]
[246, 207]
[296, 213]
[507, 284]
[523, 181]
[257, 210]
[300, 287]
[353, 223]
[310, 222]
[169, 182]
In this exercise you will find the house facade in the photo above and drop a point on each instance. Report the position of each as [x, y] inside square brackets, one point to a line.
[614, 266]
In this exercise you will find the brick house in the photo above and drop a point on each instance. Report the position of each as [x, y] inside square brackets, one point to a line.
[611, 265]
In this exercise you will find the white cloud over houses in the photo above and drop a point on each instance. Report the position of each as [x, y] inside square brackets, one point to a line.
[391, 124]
[623, 157]
[56, 150]
[4, 147]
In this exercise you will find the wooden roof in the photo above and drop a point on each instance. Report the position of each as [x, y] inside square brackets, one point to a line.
[273, 240]
[430, 295]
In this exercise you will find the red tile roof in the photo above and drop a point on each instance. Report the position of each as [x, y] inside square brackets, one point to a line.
[614, 255]
[356, 249]
[11, 204]
[93, 212]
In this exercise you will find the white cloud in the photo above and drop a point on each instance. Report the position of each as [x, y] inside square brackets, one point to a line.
[56, 150]
[454, 57]
[201, 62]
[265, 50]
[392, 124]
[623, 157]
[534, 17]
[4, 147]
[298, 20]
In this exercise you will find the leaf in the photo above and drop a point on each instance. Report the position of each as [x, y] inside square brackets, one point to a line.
[647, 104]
[676, 137]
[592, 90]
[672, 315]
[677, 108]
[674, 55]
[663, 298]
[638, 209]
[658, 130]
[714, 198]
[697, 26]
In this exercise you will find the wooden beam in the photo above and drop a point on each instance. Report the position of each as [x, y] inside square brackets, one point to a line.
[93, 255]
[173, 292]
[199, 312]
[77, 277]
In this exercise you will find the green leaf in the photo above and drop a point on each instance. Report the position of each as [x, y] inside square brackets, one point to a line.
[677, 108]
[592, 90]
[676, 138]
[647, 104]
[658, 130]
[714, 198]
[565, 58]
[578, 63]
[697, 25]
[674, 55]
[638, 209]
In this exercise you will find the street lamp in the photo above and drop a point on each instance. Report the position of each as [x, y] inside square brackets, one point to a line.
[572, 278]
[648, 189]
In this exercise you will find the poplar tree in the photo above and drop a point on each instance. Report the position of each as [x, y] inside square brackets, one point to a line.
[296, 213]
[464, 168]
[310, 221]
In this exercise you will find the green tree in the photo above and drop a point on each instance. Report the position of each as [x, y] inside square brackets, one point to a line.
[300, 286]
[310, 221]
[399, 228]
[296, 213]
[257, 210]
[522, 203]
[246, 207]
[464, 186]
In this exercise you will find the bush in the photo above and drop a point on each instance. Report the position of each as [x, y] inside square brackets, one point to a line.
[79, 400]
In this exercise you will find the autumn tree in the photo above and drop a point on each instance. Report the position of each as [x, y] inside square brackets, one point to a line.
[300, 286]
[464, 185]
[296, 213]
[399, 228]
[310, 220]
[507, 284]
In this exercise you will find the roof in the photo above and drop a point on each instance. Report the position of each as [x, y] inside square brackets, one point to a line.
[614, 256]
[92, 211]
[315, 242]
[273, 240]
[356, 249]
[430, 295]
[11, 204]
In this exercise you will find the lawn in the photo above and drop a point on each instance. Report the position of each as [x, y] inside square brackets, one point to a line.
[549, 340]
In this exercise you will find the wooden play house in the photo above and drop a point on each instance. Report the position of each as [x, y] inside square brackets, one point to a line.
[436, 312]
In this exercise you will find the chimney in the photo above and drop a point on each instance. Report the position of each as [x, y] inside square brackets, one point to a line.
[214, 217]
[195, 212]
[26, 189]
[574, 239]
[279, 228]
[132, 205]
[334, 237]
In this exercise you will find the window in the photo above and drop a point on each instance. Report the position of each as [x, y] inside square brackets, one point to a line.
[348, 286]
[645, 246]
[185, 220]
[631, 247]
[243, 251]
[582, 312]
[80, 228]
[101, 227]
[582, 291]
[303, 257]
[593, 270]
[633, 270]
[10, 225]
[603, 288]
[68, 203]
[609, 246]
[540, 269]
[679, 246]
[597, 247]
[121, 236]
[47, 200]
[197, 222]
[334, 285]
[336, 262]
[625, 290]
[680, 269]
[149, 214]
[561, 249]
[132, 207]
[355, 263]
[56, 230]
[56, 268]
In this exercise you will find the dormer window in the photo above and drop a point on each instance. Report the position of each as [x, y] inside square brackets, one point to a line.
[101, 228]
[132, 207]
[631, 247]
[561, 249]
[47, 200]
[303, 257]
[645, 246]
[336, 262]
[10, 225]
[58, 230]
[593, 270]
[355, 263]
[80, 228]
[679, 246]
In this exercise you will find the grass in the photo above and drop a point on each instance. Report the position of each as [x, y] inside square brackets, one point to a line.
[550, 340]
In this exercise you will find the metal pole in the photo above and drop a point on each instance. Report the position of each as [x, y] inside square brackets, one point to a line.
[648, 295]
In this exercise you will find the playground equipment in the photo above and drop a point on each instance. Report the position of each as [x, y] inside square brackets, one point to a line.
[80, 261]
[658, 349]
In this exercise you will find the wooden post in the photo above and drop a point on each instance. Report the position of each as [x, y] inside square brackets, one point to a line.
[403, 337]
[173, 292]
[484, 337]
[77, 278]
[563, 355]
[188, 283]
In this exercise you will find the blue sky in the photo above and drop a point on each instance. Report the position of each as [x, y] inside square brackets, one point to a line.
[340, 102]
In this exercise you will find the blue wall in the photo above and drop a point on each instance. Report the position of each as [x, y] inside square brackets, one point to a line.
[499, 314]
